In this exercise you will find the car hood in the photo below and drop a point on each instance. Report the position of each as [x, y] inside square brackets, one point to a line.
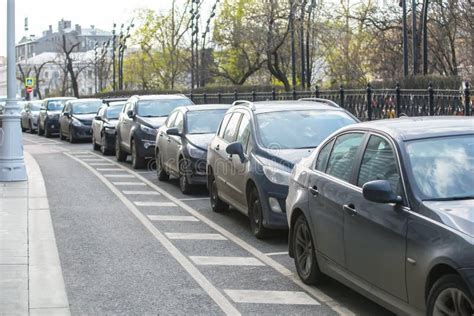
[84, 117]
[287, 157]
[200, 140]
[112, 122]
[456, 214]
[53, 113]
[154, 122]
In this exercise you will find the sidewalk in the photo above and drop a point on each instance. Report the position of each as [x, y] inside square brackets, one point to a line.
[31, 280]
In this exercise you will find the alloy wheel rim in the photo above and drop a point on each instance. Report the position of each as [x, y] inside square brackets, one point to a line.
[256, 213]
[304, 250]
[452, 302]
[213, 193]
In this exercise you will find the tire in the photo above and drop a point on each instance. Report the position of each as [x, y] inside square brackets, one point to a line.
[47, 132]
[160, 170]
[255, 213]
[120, 155]
[137, 161]
[40, 131]
[441, 299]
[72, 140]
[103, 149]
[95, 147]
[61, 135]
[32, 131]
[184, 185]
[304, 253]
[217, 204]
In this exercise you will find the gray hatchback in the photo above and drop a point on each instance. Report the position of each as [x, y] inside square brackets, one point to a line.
[387, 208]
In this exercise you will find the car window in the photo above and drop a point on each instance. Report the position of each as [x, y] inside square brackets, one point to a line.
[343, 155]
[170, 119]
[179, 123]
[101, 111]
[244, 131]
[223, 125]
[323, 156]
[378, 163]
[231, 129]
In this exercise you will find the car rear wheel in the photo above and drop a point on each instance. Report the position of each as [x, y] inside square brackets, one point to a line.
[450, 296]
[103, 148]
[184, 184]
[94, 144]
[71, 136]
[120, 155]
[256, 215]
[160, 170]
[305, 253]
[217, 204]
[137, 161]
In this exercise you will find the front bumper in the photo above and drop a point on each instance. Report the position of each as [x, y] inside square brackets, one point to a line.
[82, 132]
[196, 171]
[109, 140]
[52, 125]
[145, 144]
[277, 193]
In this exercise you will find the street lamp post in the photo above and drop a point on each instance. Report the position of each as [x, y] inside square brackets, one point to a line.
[96, 45]
[113, 58]
[12, 164]
[405, 38]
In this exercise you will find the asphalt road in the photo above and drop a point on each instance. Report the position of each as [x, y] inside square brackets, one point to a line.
[129, 244]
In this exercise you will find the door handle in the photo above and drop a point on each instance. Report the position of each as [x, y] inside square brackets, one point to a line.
[314, 190]
[169, 140]
[161, 134]
[218, 147]
[349, 209]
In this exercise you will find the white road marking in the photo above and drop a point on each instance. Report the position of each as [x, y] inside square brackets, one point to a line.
[277, 253]
[271, 297]
[316, 293]
[101, 164]
[92, 159]
[129, 183]
[119, 176]
[109, 169]
[226, 306]
[141, 193]
[195, 236]
[172, 218]
[163, 204]
[225, 261]
[194, 199]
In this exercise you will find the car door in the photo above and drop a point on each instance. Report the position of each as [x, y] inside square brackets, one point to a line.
[329, 189]
[126, 126]
[97, 124]
[63, 126]
[24, 115]
[42, 114]
[163, 138]
[236, 179]
[375, 233]
[173, 144]
[214, 149]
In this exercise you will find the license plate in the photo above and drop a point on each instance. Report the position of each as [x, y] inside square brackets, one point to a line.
[52, 126]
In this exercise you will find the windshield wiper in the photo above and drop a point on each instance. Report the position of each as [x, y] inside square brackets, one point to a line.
[453, 198]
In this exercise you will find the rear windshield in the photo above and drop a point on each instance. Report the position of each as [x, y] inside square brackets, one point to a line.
[204, 122]
[299, 129]
[86, 107]
[113, 111]
[159, 108]
[35, 106]
[56, 105]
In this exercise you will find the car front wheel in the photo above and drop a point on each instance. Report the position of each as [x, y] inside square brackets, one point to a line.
[120, 155]
[305, 253]
[184, 184]
[137, 161]
[256, 215]
[217, 204]
[450, 296]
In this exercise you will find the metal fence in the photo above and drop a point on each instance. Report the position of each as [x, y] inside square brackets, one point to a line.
[366, 104]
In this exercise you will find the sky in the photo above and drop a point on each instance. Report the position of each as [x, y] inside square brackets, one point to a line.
[100, 13]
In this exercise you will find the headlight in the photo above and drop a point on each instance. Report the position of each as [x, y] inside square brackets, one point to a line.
[109, 129]
[76, 123]
[148, 130]
[276, 175]
[195, 152]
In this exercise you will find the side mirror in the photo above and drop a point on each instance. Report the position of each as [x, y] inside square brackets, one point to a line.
[236, 148]
[67, 114]
[98, 118]
[173, 131]
[130, 114]
[380, 191]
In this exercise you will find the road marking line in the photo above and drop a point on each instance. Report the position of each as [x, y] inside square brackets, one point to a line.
[162, 204]
[316, 293]
[129, 183]
[271, 297]
[277, 253]
[119, 176]
[172, 218]
[195, 236]
[140, 193]
[194, 199]
[225, 261]
[101, 164]
[109, 169]
[92, 160]
[226, 306]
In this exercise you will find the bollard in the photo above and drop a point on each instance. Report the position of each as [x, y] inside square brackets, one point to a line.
[316, 91]
[431, 98]
[398, 99]
[467, 100]
[273, 94]
[341, 96]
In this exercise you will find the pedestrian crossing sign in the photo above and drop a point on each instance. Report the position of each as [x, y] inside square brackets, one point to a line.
[29, 82]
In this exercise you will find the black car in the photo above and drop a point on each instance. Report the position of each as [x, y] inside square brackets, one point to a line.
[76, 119]
[181, 143]
[103, 126]
[387, 208]
[251, 156]
[48, 118]
[138, 124]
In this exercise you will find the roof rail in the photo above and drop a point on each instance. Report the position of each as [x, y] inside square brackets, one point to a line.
[325, 101]
[244, 103]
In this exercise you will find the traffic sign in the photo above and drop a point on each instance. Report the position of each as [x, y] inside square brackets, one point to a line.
[29, 82]
[29, 89]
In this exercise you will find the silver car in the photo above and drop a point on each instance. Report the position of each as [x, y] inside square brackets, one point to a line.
[387, 208]
[29, 116]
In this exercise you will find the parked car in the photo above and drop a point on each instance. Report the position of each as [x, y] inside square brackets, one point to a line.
[387, 208]
[251, 157]
[29, 116]
[48, 118]
[22, 105]
[138, 124]
[103, 126]
[76, 119]
[181, 143]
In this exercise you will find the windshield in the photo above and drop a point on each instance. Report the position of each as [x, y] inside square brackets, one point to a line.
[299, 129]
[35, 106]
[56, 105]
[443, 168]
[204, 122]
[114, 109]
[159, 108]
[86, 107]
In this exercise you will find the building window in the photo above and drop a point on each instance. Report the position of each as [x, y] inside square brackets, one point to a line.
[46, 74]
[89, 74]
